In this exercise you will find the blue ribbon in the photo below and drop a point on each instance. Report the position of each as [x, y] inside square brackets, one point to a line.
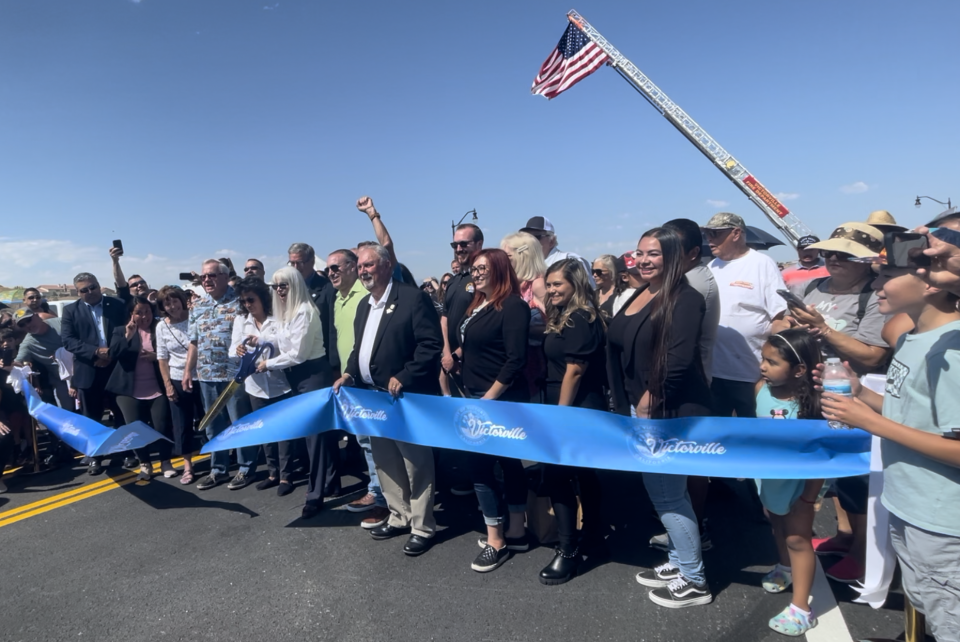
[84, 434]
[707, 446]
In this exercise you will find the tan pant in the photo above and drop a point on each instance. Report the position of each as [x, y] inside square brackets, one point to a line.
[406, 480]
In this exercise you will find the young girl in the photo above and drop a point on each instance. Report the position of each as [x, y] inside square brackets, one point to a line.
[786, 391]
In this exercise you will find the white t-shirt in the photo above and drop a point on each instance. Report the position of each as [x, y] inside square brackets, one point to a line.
[748, 303]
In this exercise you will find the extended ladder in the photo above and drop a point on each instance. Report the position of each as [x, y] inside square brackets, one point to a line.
[788, 223]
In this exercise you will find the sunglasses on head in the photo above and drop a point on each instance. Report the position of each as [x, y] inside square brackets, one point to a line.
[461, 245]
[89, 288]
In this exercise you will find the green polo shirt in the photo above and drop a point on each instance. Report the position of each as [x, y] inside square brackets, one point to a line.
[344, 312]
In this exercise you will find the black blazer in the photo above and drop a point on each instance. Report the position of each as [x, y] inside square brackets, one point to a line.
[495, 349]
[323, 293]
[408, 343]
[79, 334]
[127, 353]
[630, 346]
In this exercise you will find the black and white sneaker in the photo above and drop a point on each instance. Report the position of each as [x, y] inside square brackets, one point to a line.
[658, 576]
[517, 544]
[489, 559]
[240, 480]
[681, 593]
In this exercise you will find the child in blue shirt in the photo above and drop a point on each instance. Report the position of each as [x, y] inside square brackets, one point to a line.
[786, 391]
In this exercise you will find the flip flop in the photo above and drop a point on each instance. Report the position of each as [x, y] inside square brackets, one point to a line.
[186, 477]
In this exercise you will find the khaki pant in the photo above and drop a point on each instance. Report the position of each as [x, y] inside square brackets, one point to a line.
[406, 479]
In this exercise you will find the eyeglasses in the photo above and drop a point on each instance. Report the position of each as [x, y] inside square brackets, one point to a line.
[204, 277]
[247, 300]
[138, 284]
[279, 286]
[478, 270]
[89, 288]
[461, 245]
[250, 268]
[833, 254]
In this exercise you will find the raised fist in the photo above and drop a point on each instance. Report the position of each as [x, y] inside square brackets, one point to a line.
[365, 205]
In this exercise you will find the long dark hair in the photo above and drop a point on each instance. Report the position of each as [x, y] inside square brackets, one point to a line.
[584, 297]
[671, 250]
[798, 347]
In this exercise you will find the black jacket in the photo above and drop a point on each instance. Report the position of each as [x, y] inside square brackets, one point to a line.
[127, 353]
[408, 343]
[630, 347]
[495, 349]
[80, 336]
[323, 293]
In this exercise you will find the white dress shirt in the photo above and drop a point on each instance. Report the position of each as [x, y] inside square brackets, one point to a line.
[370, 334]
[300, 340]
[97, 312]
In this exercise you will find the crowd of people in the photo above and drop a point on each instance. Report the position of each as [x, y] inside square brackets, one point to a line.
[662, 331]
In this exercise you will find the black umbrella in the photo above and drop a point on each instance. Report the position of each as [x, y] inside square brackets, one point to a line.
[761, 240]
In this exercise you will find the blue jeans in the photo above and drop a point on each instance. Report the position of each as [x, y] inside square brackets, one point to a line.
[672, 503]
[374, 486]
[494, 503]
[237, 407]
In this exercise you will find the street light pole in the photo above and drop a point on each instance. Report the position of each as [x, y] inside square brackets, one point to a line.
[453, 226]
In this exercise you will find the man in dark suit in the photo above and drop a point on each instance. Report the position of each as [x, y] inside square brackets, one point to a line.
[85, 330]
[397, 348]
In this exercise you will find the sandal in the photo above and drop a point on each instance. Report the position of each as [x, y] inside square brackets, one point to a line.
[777, 580]
[187, 477]
[793, 622]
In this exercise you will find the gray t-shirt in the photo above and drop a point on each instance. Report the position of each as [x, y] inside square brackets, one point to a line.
[921, 392]
[701, 279]
[840, 313]
[40, 349]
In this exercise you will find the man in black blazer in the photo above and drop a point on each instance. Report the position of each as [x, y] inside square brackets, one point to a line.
[85, 330]
[397, 348]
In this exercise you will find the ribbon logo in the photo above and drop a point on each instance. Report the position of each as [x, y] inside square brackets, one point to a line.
[355, 411]
[124, 444]
[474, 427]
[242, 427]
[648, 444]
[70, 428]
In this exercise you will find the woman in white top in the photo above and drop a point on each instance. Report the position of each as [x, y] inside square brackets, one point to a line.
[254, 324]
[172, 343]
[302, 357]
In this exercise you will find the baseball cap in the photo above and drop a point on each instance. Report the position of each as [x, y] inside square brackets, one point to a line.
[884, 221]
[807, 241]
[626, 262]
[22, 314]
[858, 239]
[724, 221]
[538, 224]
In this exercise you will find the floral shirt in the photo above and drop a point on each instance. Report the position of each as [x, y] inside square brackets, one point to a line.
[211, 329]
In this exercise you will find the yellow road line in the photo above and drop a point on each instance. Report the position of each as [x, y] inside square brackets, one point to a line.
[69, 497]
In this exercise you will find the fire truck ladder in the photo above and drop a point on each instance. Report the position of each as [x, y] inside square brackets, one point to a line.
[788, 223]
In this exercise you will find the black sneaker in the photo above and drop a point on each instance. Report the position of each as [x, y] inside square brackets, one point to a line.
[240, 480]
[518, 544]
[681, 593]
[489, 559]
[208, 482]
[462, 490]
[658, 576]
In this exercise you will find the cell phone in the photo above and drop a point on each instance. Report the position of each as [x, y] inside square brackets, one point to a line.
[792, 299]
[186, 276]
[117, 243]
[6, 356]
[905, 249]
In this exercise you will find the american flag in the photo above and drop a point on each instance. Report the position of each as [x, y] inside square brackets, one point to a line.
[575, 58]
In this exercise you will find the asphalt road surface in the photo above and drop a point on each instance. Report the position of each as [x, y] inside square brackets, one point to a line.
[101, 559]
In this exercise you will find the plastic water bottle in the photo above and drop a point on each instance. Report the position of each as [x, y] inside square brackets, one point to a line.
[836, 379]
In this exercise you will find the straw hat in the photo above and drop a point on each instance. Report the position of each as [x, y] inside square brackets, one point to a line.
[884, 221]
[858, 239]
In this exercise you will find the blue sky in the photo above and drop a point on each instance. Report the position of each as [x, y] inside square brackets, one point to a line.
[191, 128]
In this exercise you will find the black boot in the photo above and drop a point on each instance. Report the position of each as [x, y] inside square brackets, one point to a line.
[562, 568]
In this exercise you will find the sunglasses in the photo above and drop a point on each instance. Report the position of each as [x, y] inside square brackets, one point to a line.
[247, 300]
[334, 268]
[833, 254]
[89, 288]
[250, 268]
[211, 277]
[138, 284]
[598, 272]
[279, 286]
[461, 245]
